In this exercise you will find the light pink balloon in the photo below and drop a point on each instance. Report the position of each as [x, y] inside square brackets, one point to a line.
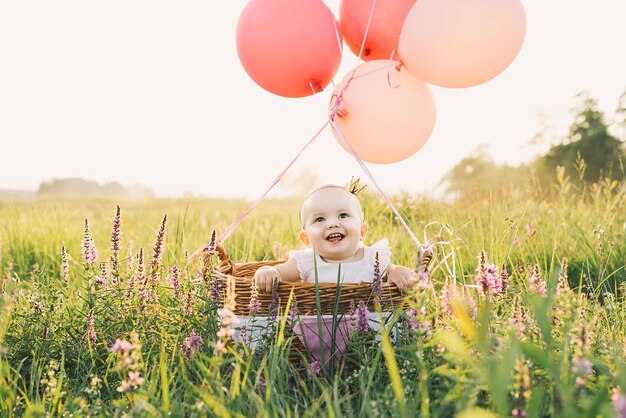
[291, 48]
[384, 29]
[386, 114]
[461, 43]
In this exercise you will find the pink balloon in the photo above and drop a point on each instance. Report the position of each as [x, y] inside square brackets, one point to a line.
[385, 113]
[384, 29]
[291, 48]
[461, 43]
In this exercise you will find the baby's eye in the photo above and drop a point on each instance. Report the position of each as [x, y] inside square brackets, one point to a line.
[319, 219]
[343, 215]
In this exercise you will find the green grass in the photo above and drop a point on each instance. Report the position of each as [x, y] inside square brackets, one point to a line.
[468, 356]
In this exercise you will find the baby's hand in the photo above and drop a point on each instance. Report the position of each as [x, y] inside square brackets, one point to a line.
[264, 278]
[401, 277]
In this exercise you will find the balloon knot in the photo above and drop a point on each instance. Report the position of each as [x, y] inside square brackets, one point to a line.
[316, 86]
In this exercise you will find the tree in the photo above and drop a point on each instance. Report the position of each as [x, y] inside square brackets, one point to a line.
[589, 139]
[479, 174]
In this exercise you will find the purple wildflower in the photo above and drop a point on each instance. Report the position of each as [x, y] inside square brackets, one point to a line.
[314, 369]
[187, 308]
[65, 265]
[254, 306]
[227, 317]
[487, 278]
[446, 296]
[423, 280]
[293, 312]
[215, 293]
[139, 277]
[563, 285]
[582, 366]
[116, 235]
[417, 320]
[378, 283]
[273, 307]
[362, 318]
[101, 279]
[537, 284]
[158, 247]
[89, 250]
[261, 385]
[175, 281]
[619, 402]
[192, 343]
[504, 279]
[244, 338]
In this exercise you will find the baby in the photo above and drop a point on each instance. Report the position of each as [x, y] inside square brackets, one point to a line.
[334, 229]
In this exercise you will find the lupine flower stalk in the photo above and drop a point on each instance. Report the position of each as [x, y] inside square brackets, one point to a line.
[447, 292]
[418, 321]
[158, 247]
[89, 250]
[362, 315]
[565, 300]
[175, 281]
[537, 284]
[101, 279]
[563, 284]
[187, 307]
[138, 277]
[155, 263]
[129, 362]
[227, 317]
[91, 330]
[207, 258]
[519, 319]
[582, 337]
[274, 302]
[378, 283]
[521, 390]
[65, 265]
[487, 279]
[254, 306]
[504, 279]
[116, 235]
[619, 402]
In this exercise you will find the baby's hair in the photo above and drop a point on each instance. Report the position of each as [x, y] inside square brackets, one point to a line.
[353, 189]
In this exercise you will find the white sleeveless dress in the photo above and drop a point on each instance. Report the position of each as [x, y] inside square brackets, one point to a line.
[351, 272]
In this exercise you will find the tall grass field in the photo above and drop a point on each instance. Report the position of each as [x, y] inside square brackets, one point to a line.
[104, 313]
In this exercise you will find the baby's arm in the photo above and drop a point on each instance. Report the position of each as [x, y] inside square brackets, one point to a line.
[286, 272]
[400, 276]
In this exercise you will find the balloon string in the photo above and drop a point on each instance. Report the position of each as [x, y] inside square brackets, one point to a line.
[339, 96]
[367, 28]
[245, 213]
[338, 130]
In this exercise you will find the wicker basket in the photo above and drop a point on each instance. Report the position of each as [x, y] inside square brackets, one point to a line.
[304, 292]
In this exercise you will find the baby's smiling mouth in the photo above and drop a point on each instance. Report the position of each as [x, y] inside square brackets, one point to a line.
[334, 237]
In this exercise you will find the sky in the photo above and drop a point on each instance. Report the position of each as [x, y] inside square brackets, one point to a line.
[153, 92]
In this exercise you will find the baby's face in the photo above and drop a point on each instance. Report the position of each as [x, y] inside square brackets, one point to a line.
[333, 223]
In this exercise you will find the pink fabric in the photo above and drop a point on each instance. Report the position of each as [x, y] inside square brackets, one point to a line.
[307, 332]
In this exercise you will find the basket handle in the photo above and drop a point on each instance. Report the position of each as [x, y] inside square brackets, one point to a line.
[226, 265]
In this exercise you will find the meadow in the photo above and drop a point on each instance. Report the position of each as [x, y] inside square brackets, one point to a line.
[527, 318]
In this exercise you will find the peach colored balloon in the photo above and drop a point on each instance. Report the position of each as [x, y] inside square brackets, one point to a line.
[461, 43]
[291, 48]
[383, 32]
[386, 114]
